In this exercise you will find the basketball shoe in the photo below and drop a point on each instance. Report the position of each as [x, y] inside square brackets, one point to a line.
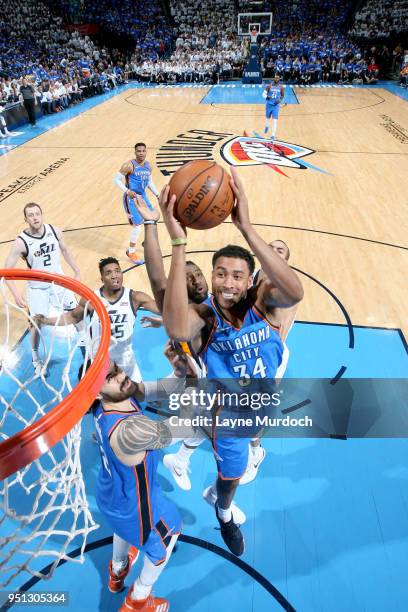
[178, 470]
[133, 258]
[211, 498]
[231, 534]
[116, 581]
[150, 604]
[254, 461]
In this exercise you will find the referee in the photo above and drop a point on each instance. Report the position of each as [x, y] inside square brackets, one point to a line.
[28, 93]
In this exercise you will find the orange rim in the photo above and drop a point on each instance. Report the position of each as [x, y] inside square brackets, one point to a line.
[27, 445]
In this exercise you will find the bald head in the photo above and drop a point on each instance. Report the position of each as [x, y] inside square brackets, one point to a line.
[281, 248]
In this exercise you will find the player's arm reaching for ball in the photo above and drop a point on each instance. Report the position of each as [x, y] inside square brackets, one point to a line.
[282, 288]
[183, 322]
[152, 252]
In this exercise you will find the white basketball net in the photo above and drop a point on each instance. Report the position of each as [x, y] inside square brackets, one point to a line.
[44, 511]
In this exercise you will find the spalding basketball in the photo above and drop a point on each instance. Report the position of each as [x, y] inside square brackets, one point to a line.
[203, 192]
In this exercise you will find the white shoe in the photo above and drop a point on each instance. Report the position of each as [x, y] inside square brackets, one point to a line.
[237, 514]
[253, 466]
[178, 471]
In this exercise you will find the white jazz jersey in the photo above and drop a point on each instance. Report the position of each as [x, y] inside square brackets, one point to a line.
[122, 317]
[42, 253]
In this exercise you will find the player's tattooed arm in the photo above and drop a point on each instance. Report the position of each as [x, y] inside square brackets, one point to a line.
[136, 435]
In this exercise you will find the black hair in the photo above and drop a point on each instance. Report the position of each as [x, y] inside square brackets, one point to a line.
[105, 261]
[235, 251]
[140, 144]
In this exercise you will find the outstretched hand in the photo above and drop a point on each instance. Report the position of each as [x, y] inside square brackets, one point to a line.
[174, 227]
[240, 211]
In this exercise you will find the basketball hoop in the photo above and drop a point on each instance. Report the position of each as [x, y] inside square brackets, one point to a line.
[40, 435]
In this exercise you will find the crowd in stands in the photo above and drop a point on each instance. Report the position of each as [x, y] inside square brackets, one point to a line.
[308, 44]
[63, 67]
[142, 21]
[380, 19]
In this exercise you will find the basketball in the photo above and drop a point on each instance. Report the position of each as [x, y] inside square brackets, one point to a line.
[203, 192]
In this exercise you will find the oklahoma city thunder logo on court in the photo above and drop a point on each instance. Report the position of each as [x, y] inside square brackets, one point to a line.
[254, 151]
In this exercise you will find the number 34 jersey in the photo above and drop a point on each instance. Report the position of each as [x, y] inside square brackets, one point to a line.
[254, 351]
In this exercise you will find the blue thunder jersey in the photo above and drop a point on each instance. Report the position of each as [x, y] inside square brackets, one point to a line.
[273, 96]
[129, 497]
[254, 351]
[138, 180]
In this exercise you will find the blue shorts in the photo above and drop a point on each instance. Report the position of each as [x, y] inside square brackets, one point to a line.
[272, 111]
[231, 455]
[131, 209]
[167, 523]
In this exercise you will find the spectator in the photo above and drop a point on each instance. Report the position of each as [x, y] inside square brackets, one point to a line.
[27, 96]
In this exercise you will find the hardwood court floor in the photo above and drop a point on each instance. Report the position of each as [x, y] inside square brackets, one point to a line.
[346, 229]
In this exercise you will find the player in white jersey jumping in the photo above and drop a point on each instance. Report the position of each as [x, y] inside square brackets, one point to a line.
[41, 246]
[122, 305]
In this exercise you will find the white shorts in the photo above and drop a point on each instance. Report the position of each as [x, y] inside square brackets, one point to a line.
[126, 361]
[41, 300]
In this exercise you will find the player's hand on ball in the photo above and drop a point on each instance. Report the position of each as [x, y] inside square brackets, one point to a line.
[240, 211]
[174, 227]
[147, 213]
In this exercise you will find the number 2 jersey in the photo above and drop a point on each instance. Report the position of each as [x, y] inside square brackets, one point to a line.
[254, 351]
[42, 253]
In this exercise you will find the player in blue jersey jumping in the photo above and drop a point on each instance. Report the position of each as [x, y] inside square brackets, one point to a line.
[273, 94]
[241, 327]
[138, 177]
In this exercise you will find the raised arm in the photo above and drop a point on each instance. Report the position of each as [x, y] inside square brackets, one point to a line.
[67, 255]
[182, 322]
[18, 250]
[152, 252]
[282, 288]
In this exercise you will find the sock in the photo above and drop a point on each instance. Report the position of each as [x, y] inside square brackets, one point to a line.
[134, 235]
[140, 591]
[183, 454]
[225, 515]
[150, 573]
[274, 126]
[34, 354]
[118, 566]
[119, 554]
[266, 129]
[256, 451]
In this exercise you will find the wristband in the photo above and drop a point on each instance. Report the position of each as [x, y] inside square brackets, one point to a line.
[150, 222]
[178, 241]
